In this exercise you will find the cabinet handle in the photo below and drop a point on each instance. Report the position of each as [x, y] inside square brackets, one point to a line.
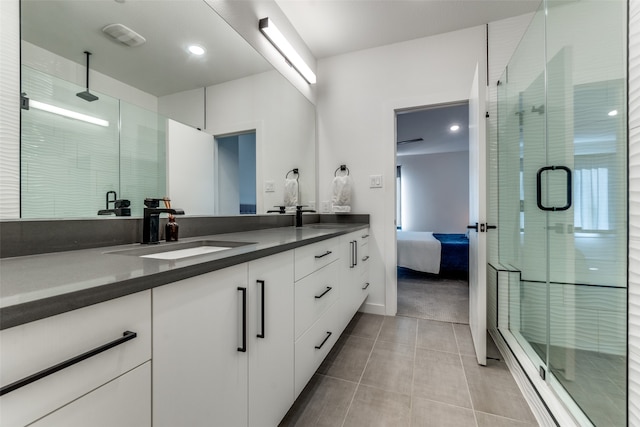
[126, 336]
[351, 255]
[365, 258]
[365, 236]
[244, 319]
[366, 285]
[324, 293]
[355, 258]
[261, 283]
[324, 254]
[318, 347]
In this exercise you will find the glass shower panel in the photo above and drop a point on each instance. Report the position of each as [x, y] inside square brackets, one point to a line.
[143, 164]
[586, 78]
[67, 164]
[521, 152]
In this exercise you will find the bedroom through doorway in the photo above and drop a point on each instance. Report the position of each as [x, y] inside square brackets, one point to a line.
[432, 212]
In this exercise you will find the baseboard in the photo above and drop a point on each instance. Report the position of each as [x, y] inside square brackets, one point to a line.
[373, 308]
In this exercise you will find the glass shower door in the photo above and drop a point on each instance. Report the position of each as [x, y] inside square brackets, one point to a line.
[563, 204]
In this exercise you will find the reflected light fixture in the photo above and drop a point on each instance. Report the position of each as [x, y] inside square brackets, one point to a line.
[292, 57]
[196, 50]
[67, 113]
[454, 128]
[613, 113]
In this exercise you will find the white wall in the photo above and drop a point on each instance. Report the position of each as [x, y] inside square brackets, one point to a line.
[284, 122]
[435, 192]
[357, 96]
[185, 107]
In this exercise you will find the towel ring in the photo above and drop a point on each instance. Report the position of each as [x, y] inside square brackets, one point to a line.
[341, 168]
[294, 171]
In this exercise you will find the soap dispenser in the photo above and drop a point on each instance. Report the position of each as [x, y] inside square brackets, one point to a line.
[171, 229]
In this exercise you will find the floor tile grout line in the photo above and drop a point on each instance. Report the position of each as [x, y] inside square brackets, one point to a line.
[413, 373]
[362, 374]
[466, 378]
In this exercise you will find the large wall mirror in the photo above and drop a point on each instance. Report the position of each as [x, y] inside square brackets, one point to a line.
[218, 133]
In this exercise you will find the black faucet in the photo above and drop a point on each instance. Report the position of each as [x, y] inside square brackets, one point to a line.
[299, 212]
[281, 210]
[120, 206]
[151, 219]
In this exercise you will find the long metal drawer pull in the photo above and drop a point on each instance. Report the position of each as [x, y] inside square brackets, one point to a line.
[324, 254]
[126, 336]
[261, 283]
[539, 188]
[366, 285]
[244, 319]
[351, 264]
[324, 293]
[365, 258]
[365, 236]
[318, 347]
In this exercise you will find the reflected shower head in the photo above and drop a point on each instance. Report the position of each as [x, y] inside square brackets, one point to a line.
[87, 96]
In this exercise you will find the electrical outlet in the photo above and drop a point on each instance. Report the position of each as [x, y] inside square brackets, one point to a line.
[375, 181]
[325, 207]
[312, 205]
[269, 187]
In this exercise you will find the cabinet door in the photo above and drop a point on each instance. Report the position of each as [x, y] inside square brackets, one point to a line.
[199, 372]
[271, 340]
[123, 402]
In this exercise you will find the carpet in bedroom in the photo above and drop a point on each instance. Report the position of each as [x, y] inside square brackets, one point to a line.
[429, 296]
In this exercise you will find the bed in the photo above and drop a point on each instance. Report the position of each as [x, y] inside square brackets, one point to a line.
[436, 253]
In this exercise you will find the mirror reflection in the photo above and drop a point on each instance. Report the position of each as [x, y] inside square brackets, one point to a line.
[164, 120]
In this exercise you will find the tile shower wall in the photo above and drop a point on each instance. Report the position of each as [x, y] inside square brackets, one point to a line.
[634, 214]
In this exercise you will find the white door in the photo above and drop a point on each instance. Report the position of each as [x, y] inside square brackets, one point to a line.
[477, 217]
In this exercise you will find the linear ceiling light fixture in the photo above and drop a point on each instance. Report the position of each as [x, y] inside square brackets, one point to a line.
[67, 113]
[276, 38]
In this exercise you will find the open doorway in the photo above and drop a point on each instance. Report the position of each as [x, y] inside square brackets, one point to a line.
[432, 196]
[236, 174]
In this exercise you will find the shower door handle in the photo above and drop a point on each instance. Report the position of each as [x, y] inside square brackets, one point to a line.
[473, 227]
[539, 188]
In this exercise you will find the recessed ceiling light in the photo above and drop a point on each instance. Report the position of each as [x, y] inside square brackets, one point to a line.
[613, 113]
[196, 50]
[454, 128]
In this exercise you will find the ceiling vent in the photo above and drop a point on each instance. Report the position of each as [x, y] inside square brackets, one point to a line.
[124, 35]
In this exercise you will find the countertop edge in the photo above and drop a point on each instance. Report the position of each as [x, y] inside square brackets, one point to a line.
[27, 312]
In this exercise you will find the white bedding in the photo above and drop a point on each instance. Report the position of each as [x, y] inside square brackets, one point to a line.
[419, 250]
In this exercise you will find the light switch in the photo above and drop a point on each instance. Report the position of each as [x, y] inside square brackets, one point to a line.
[269, 187]
[375, 181]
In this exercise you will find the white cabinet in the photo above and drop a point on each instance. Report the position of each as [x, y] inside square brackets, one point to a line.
[123, 402]
[317, 307]
[270, 344]
[199, 366]
[223, 346]
[37, 346]
[355, 266]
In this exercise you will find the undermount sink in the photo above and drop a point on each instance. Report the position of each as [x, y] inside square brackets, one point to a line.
[174, 251]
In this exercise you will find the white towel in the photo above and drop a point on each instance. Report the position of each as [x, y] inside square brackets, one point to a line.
[341, 209]
[290, 192]
[341, 189]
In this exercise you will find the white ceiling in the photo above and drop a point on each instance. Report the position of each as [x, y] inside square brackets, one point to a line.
[334, 27]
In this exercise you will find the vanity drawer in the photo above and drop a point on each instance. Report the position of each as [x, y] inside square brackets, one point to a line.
[37, 346]
[314, 345]
[314, 294]
[312, 257]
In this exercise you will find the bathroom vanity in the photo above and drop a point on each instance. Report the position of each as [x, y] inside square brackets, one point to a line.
[233, 335]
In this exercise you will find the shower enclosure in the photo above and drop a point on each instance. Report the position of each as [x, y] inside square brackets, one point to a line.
[562, 191]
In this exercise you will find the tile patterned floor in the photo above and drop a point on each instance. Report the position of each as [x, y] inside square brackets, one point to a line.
[400, 371]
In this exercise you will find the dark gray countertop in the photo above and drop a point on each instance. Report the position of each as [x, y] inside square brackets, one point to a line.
[38, 286]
